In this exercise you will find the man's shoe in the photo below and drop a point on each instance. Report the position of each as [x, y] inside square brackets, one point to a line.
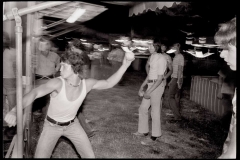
[140, 134]
[149, 142]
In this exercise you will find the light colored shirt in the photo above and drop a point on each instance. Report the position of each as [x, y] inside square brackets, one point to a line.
[233, 123]
[9, 63]
[178, 60]
[158, 66]
[228, 87]
[168, 58]
[47, 65]
[61, 109]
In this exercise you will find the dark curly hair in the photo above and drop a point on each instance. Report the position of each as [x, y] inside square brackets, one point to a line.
[75, 60]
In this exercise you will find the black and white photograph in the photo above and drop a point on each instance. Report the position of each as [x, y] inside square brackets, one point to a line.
[119, 79]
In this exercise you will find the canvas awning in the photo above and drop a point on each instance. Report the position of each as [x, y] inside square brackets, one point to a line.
[145, 6]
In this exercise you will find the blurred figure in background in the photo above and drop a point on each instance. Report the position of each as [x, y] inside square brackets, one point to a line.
[115, 57]
[9, 78]
[54, 48]
[96, 57]
[175, 85]
[226, 38]
[48, 64]
[152, 97]
[163, 49]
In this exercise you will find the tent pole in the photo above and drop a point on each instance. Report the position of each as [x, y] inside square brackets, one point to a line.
[18, 32]
[29, 84]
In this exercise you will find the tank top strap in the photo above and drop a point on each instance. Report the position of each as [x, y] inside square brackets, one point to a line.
[63, 84]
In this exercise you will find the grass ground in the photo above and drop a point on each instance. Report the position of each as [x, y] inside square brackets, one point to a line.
[114, 114]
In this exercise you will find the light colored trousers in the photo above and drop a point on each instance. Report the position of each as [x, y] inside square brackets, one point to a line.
[74, 132]
[156, 104]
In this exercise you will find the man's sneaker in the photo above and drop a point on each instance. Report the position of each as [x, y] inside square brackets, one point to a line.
[148, 141]
[140, 134]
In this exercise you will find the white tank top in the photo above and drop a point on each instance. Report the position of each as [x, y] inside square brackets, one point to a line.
[61, 109]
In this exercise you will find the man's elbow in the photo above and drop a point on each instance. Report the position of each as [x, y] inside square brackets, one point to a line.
[108, 84]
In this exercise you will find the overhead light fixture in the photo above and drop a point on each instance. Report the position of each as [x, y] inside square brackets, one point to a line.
[142, 48]
[105, 49]
[85, 43]
[199, 54]
[83, 40]
[101, 49]
[171, 51]
[120, 40]
[76, 14]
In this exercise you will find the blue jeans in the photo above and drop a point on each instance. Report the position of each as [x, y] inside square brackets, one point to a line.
[74, 132]
[85, 126]
[173, 97]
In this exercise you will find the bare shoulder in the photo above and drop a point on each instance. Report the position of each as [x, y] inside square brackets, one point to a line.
[55, 83]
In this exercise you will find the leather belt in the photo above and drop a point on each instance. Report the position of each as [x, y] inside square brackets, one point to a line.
[44, 77]
[152, 80]
[59, 123]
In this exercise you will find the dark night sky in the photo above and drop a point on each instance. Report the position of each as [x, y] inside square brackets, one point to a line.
[203, 17]
[116, 19]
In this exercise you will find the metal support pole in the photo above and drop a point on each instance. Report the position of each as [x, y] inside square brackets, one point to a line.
[3, 7]
[34, 8]
[18, 32]
[29, 84]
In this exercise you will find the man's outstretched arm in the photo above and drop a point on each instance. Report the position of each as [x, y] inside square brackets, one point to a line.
[28, 98]
[112, 80]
